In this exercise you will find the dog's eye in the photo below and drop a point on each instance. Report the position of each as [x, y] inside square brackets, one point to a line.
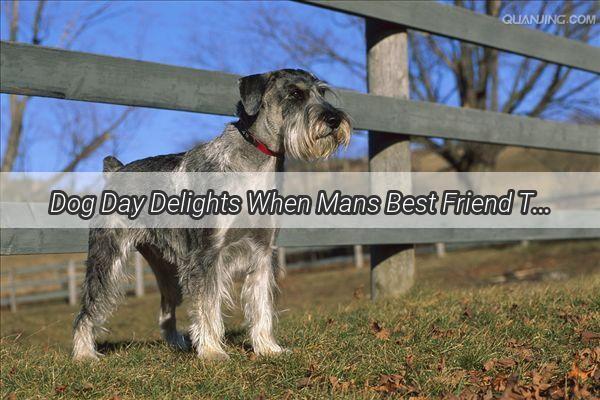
[297, 94]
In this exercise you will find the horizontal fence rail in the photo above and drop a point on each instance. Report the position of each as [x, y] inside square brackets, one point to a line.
[465, 25]
[330, 237]
[48, 72]
[36, 241]
[46, 282]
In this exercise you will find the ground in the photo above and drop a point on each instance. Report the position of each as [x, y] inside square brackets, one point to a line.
[507, 320]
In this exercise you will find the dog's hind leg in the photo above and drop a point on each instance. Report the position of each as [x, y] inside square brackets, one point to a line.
[257, 295]
[101, 288]
[170, 295]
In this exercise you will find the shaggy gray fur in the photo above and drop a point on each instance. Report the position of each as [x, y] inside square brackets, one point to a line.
[287, 111]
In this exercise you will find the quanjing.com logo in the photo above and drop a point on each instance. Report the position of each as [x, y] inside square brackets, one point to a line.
[547, 19]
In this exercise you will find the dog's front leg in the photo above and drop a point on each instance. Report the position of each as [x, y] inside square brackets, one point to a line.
[257, 294]
[207, 329]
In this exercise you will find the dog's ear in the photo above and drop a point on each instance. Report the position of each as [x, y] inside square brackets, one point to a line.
[252, 89]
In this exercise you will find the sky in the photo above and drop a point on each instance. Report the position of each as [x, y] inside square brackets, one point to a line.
[203, 34]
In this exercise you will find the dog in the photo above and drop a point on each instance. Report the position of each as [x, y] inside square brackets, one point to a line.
[280, 113]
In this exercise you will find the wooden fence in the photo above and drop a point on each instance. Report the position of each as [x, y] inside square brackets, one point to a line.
[61, 282]
[48, 72]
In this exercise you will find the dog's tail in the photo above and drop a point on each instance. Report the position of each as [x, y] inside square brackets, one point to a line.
[111, 164]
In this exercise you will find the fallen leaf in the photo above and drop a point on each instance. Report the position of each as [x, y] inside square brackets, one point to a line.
[499, 383]
[359, 292]
[334, 381]
[438, 333]
[303, 382]
[510, 392]
[60, 389]
[488, 365]
[441, 364]
[580, 374]
[379, 331]
[467, 312]
[391, 383]
[587, 336]
[524, 354]
[506, 362]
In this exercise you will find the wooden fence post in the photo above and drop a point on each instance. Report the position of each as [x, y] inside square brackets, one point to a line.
[139, 275]
[72, 282]
[440, 249]
[281, 261]
[392, 266]
[13, 290]
[358, 256]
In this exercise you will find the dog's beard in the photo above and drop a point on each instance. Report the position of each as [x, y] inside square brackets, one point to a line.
[308, 137]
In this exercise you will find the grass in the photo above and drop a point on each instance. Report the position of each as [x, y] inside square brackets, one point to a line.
[452, 334]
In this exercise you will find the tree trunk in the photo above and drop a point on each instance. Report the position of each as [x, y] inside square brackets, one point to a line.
[17, 111]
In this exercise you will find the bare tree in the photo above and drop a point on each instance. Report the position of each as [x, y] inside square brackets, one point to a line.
[83, 143]
[456, 73]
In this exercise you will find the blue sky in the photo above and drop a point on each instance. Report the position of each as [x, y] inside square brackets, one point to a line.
[211, 35]
[165, 32]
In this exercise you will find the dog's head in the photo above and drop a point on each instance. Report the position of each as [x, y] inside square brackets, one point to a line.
[289, 112]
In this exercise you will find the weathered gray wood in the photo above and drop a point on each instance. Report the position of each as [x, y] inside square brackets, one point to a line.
[50, 72]
[281, 259]
[333, 237]
[13, 290]
[42, 71]
[36, 241]
[465, 25]
[440, 249]
[139, 275]
[392, 266]
[417, 118]
[72, 282]
[359, 259]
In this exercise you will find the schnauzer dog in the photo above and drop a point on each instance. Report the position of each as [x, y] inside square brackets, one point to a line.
[281, 113]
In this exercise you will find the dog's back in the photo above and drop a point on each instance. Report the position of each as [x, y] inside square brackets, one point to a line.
[164, 163]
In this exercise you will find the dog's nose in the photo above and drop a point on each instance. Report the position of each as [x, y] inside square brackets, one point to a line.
[333, 120]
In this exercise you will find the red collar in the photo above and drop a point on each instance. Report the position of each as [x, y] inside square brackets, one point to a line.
[258, 144]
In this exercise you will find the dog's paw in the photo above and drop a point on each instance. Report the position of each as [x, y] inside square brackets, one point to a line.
[87, 356]
[213, 355]
[271, 350]
[179, 341]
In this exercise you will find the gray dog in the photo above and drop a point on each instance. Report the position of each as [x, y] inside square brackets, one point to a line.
[281, 113]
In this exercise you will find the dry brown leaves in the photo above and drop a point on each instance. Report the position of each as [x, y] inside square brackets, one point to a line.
[499, 363]
[392, 383]
[588, 337]
[379, 331]
[313, 378]
[340, 386]
[438, 333]
[541, 383]
[359, 292]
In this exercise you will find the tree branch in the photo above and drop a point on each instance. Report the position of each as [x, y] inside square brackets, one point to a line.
[97, 141]
[39, 10]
